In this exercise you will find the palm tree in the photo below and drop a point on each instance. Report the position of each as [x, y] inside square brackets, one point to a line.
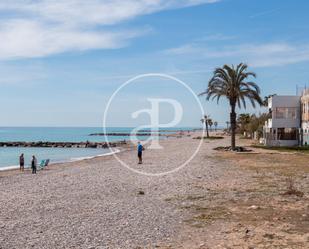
[265, 101]
[231, 82]
[210, 123]
[227, 125]
[205, 121]
[216, 125]
[243, 120]
[202, 121]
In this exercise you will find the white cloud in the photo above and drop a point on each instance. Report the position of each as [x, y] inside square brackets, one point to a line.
[264, 13]
[182, 50]
[22, 38]
[36, 28]
[258, 55]
[94, 11]
[216, 37]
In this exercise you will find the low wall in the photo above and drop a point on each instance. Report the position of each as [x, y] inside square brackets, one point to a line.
[288, 143]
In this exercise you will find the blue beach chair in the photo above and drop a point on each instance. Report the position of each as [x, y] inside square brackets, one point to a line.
[44, 163]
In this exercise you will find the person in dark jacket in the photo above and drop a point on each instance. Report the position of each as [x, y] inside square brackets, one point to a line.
[21, 162]
[33, 164]
[140, 149]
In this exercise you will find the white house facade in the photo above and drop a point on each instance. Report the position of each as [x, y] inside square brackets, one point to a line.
[283, 128]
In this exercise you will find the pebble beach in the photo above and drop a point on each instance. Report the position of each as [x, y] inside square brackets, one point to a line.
[98, 203]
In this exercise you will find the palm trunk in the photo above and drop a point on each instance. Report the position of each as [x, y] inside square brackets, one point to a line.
[233, 127]
[207, 132]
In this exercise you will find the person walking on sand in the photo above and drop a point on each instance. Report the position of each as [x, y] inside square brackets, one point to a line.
[21, 162]
[33, 164]
[140, 149]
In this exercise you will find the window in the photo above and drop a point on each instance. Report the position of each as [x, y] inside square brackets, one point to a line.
[280, 113]
[286, 113]
[305, 107]
[287, 134]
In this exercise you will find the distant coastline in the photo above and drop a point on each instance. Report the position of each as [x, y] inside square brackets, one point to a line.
[61, 144]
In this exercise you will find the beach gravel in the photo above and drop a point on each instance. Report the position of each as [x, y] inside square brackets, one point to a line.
[98, 203]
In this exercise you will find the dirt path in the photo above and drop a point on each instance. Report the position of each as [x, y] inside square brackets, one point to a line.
[265, 205]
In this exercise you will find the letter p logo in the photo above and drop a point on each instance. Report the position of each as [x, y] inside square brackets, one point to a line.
[154, 114]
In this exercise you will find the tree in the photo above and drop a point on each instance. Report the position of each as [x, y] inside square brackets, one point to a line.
[205, 121]
[265, 100]
[256, 124]
[227, 125]
[216, 125]
[243, 120]
[210, 123]
[231, 82]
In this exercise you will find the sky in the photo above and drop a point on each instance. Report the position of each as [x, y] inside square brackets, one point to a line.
[61, 61]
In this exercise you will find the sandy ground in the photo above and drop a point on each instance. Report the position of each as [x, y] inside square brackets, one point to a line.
[219, 200]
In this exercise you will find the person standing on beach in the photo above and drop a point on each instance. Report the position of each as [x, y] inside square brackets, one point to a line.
[33, 164]
[140, 149]
[21, 162]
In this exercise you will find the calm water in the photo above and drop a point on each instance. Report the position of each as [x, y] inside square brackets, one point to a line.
[9, 156]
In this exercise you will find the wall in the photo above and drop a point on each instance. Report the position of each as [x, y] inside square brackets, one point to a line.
[281, 143]
[285, 101]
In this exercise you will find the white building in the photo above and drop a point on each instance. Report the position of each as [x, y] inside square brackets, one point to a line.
[284, 126]
[305, 117]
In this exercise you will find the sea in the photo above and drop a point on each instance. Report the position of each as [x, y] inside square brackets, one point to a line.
[9, 156]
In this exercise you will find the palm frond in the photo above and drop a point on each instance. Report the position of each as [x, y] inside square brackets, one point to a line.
[231, 82]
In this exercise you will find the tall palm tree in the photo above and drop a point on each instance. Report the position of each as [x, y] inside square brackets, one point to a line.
[202, 121]
[227, 125]
[205, 121]
[216, 125]
[231, 82]
[210, 123]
